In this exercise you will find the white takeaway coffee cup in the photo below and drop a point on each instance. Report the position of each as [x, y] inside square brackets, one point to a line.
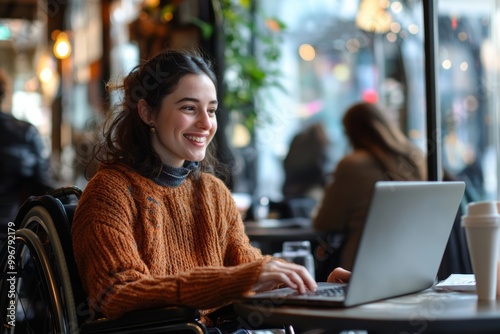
[482, 227]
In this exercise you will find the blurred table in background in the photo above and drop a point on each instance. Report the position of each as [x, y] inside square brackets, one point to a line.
[269, 234]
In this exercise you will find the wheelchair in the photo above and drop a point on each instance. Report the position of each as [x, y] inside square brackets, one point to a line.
[40, 288]
[41, 292]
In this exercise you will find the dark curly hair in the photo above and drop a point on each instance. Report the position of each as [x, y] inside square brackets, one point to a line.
[126, 138]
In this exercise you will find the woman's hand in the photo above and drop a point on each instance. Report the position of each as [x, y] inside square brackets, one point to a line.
[292, 275]
[339, 275]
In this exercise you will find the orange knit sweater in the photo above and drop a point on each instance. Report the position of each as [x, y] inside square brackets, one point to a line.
[140, 245]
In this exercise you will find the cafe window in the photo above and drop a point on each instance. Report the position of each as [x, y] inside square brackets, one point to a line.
[335, 53]
[352, 55]
[469, 49]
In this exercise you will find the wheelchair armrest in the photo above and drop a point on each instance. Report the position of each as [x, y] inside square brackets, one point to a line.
[166, 318]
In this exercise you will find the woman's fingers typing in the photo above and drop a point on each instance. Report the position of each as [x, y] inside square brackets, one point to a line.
[339, 275]
[291, 274]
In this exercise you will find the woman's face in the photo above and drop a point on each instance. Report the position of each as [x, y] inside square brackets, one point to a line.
[185, 123]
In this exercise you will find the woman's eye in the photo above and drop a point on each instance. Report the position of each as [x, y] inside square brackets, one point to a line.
[190, 108]
[212, 111]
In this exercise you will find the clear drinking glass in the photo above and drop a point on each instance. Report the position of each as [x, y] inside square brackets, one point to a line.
[299, 252]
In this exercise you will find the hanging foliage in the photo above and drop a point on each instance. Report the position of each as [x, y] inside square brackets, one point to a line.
[248, 70]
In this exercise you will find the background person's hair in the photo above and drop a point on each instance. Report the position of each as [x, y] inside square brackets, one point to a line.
[5, 90]
[367, 128]
[3, 84]
[126, 137]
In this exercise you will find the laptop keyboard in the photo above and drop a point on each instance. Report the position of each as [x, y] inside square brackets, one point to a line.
[337, 291]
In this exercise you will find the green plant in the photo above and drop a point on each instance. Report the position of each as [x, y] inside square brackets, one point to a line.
[245, 72]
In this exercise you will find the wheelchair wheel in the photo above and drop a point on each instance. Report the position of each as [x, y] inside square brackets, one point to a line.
[29, 300]
[43, 292]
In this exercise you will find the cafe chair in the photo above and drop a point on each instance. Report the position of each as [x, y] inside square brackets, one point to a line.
[40, 291]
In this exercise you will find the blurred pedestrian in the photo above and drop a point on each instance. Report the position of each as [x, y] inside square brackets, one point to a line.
[25, 168]
[305, 168]
[305, 163]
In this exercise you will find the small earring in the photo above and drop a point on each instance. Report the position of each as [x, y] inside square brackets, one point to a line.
[152, 129]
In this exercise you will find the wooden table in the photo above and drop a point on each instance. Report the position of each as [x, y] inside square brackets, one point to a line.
[425, 312]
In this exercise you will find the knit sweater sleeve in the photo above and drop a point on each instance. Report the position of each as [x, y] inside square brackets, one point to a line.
[238, 248]
[118, 280]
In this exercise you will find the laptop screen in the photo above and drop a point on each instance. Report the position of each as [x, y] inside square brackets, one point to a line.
[404, 238]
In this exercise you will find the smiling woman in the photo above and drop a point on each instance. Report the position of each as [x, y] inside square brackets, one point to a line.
[153, 227]
[167, 115]
[185, 123]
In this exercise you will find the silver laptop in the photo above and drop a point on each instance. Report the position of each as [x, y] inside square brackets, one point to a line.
[403, 242]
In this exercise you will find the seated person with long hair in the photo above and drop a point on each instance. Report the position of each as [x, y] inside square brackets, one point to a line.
[380, 152]
[154, 227]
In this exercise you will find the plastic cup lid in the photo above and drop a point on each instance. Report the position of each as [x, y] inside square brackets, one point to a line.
[482, 208]
[480, 221]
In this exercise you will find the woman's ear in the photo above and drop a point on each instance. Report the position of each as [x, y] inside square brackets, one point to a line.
[144, 111]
